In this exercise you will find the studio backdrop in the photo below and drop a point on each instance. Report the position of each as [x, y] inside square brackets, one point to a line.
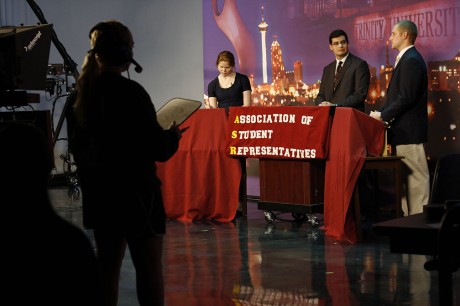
[283, 46]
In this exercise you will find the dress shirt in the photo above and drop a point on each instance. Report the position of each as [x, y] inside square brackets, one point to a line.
[401, 53]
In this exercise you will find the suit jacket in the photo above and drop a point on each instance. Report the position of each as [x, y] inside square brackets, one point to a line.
[405, 108]
[352, 84]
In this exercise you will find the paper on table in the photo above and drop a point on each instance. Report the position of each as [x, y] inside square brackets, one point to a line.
[176, 109]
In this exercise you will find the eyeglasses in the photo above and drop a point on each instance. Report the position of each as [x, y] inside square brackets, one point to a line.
[336, 43]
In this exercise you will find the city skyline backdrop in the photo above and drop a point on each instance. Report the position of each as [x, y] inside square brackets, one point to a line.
[302, 27]
[297, 49]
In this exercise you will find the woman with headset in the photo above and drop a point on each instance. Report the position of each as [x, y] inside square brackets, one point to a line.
[116, 139]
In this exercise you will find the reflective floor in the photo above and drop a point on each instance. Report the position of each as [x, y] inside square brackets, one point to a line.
[252, 262]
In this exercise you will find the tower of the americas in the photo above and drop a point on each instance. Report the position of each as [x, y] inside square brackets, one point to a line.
[263, 31]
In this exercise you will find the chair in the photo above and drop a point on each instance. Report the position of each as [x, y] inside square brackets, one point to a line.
[447, 260]
[445, 192]
[446, 180]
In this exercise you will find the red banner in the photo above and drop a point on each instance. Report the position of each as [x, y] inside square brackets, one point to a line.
[285, 132]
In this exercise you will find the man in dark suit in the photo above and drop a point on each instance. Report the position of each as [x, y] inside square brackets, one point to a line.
[405, 110]
[345, 81]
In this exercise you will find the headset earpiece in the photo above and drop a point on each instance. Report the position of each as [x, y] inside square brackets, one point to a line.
[110, 46]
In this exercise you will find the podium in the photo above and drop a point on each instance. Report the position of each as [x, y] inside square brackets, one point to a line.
[341, 140]
[295, 186]
[291, 144]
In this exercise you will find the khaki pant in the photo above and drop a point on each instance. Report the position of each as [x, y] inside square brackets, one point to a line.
[417, 178]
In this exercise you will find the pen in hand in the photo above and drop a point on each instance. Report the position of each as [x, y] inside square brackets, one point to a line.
[184, 129]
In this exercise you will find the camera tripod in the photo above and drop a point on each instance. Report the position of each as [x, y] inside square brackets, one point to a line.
[71, 176]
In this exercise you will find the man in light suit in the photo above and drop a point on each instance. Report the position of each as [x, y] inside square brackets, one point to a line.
[405, 110]
[345, 81]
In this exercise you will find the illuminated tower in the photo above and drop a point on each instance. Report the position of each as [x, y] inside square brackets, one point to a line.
[387, 57]
[263, 31]
[278, 70]
[386, 71]
[298, 75]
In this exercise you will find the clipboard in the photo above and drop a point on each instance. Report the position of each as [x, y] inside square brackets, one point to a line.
[178, 110]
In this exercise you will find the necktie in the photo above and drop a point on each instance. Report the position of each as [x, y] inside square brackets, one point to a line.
[337, 73]
[339, 68]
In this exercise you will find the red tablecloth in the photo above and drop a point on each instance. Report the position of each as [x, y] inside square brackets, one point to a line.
[354, 135]
[200, 181]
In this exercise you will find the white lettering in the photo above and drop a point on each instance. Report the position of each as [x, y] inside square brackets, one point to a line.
[260, 151]
[33, 42]
[306, 120]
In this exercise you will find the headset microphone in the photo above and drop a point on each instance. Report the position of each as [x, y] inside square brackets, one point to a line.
[137, 67]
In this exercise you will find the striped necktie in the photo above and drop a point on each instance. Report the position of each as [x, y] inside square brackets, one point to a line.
[337, 73]
[339, 68]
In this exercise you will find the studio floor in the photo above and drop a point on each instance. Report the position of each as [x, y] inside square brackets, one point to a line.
[252, 262]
